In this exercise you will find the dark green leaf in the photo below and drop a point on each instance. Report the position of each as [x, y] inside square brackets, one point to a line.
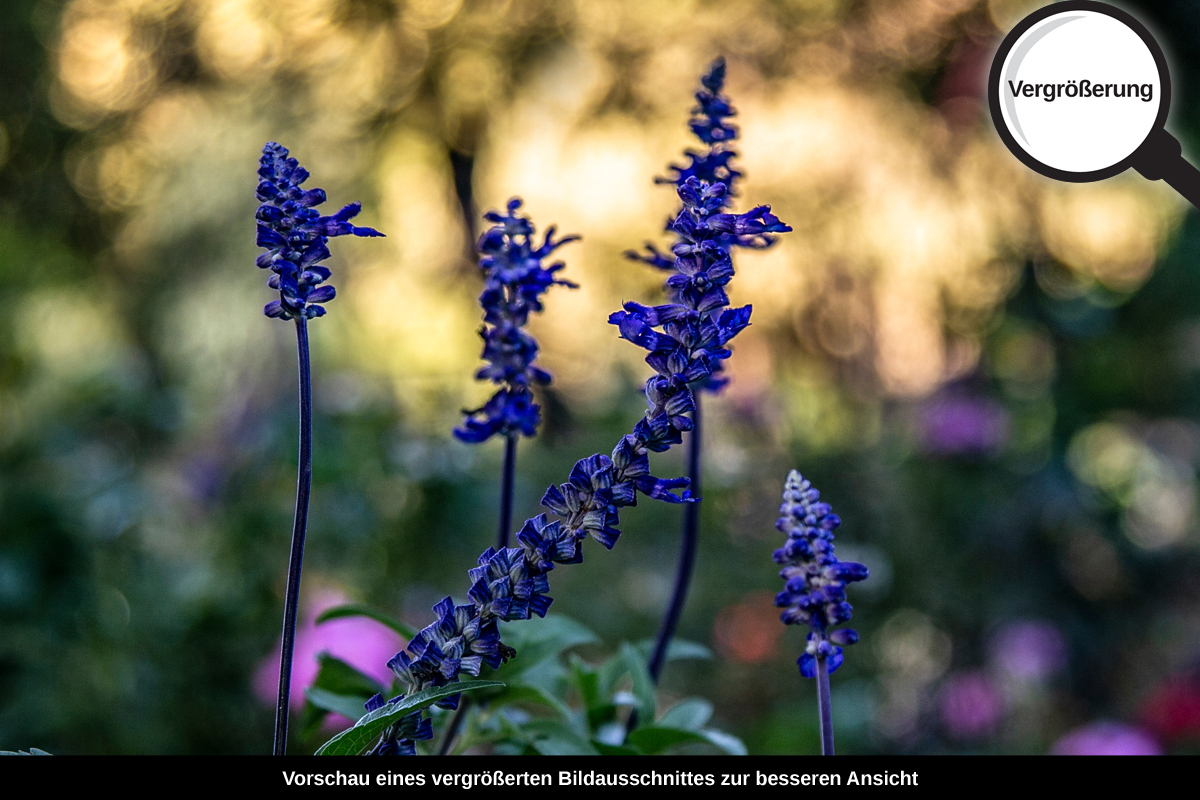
[348, 705]
[311, 719]
[361, 610]
[608, 674]
[355, 740]
[586, 681]
[600, 715]
[689, 714]
[537, 640]
[339, 677]
[336, 678]
[616, 749]
[489, 729]
[655, 739]
[643, 687]
[553, 738]
[528, 694]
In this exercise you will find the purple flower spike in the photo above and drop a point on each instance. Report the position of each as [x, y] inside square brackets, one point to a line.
[515, 280]
[815, 593]
[296, 236]
[705, 237]
[686, 341]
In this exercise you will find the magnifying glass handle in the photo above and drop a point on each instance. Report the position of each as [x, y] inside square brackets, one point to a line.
[1161, 158]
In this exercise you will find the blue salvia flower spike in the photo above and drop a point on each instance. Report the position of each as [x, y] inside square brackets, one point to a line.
[710, 123]
[515, 278]
[701, 265]
[296, 236]
[686, 343]
[296, 239]
[815, 592]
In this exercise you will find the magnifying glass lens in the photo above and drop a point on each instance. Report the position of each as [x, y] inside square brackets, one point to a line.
[1080, 91]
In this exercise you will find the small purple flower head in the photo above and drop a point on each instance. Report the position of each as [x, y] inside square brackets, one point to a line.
[515, 279]
[815, 592]
[296, 236]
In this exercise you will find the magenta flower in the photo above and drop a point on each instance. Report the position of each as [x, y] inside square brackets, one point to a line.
[360, 642]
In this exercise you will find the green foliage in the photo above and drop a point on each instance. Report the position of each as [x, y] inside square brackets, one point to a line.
[364, 733]
[555, 702]
[339, 688]
[540, 640]
[325, 700]
[688, 715]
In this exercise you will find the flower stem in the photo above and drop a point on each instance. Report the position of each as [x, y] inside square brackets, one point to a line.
[687, 551]
[506, 490]
[299, 525]
[456, 721]
[824, 706]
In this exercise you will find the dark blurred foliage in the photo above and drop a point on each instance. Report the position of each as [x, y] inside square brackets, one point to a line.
[142, 562]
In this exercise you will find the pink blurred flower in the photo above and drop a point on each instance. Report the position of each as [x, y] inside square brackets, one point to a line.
[970, 706]
[1106, 738]
[360, 642]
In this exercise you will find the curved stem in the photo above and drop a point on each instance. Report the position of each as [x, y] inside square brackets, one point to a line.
[506, 490]
[825, 707]
[687, 552]
[299, 525]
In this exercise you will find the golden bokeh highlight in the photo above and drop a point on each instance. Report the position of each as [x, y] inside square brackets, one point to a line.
[912, 222]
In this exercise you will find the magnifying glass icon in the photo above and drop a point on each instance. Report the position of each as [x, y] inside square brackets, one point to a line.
[1079, 91]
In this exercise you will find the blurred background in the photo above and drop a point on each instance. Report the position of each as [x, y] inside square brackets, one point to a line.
[994, 378]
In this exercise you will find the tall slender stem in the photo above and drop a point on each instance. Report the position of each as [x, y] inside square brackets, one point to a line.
[455, 723]
[687, 551]
[825, 707]
[506, 489]
[299, 525]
